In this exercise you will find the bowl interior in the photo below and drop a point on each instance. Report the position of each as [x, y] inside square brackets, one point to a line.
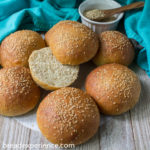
[99, 4]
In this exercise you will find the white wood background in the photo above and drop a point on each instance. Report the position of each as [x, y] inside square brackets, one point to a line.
[130, 131]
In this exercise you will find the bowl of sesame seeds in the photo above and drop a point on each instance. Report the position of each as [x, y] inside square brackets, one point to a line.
[96, 26]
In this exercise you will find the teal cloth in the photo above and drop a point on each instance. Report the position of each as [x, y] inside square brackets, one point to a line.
[41, 15]
[137, 26]
[38, 15]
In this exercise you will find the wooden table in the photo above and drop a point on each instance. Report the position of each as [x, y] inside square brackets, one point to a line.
[130, 131]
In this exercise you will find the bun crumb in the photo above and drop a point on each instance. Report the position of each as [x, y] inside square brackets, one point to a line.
[48, 72]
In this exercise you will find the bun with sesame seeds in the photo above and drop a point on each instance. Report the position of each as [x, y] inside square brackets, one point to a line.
[18, 92]
[68, 116]
[115, 47]
[115, 88]
[72, 43]
[48, 72]
[17, 47]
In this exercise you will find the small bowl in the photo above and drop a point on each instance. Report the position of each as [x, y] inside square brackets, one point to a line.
[99, 27]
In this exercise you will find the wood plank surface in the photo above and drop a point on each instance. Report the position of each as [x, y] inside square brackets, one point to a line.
[130, 131]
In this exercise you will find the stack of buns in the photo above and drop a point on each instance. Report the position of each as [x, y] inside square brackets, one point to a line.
[67, 115]
[18, 93]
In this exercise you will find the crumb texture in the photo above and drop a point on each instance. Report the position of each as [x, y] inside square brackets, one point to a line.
[47, 69]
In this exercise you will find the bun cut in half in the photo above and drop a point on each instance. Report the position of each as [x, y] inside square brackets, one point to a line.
[115, 47]
[68, 116]
[72, 43]
[48, 72]
[17, 47]
[115, 88]
[18, 92]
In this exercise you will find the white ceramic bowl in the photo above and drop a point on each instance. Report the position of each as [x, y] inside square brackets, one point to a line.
[99, 27]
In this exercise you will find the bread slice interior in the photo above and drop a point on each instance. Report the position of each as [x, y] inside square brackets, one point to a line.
[48, 72]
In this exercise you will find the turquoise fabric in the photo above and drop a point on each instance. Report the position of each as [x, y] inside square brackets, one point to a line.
[38, 15]
[41, 15]
[137, 26]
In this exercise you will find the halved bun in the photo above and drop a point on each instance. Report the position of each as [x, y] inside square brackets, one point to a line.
[49, 73]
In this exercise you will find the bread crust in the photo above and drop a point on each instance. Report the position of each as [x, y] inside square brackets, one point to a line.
[68, 116]
[18, 92]
[72, 43]
[115, 88]
[17, 47]
[115, 47]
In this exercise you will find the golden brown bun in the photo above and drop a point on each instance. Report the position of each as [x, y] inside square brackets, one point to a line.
[17, 47]
[72, 43]
[115, 88]
[68, 116]
[18, 92]
[115, 47]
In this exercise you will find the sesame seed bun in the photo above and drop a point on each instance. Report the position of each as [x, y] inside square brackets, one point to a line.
[68, 116]
[17, 47]
[48, 72]
[72, 43]
[18, 92]
[115, 88]
[115, 47]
